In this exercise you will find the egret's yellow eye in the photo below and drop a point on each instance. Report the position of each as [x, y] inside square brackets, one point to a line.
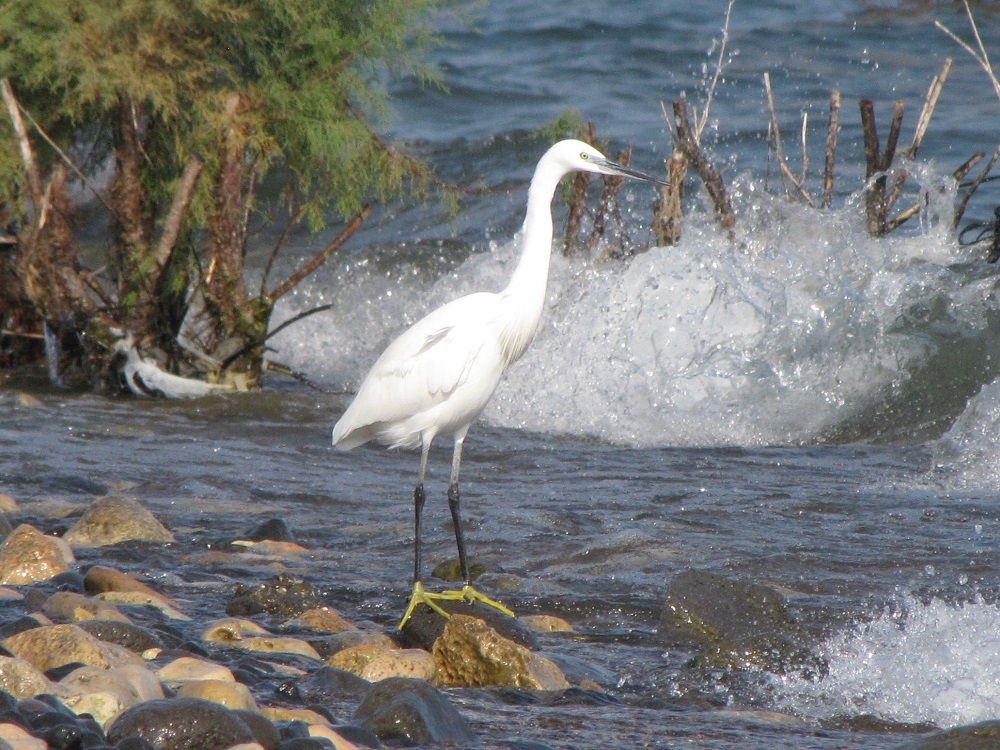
[584, 156]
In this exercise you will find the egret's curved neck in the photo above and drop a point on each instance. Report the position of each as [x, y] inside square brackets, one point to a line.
[524, 296]
[532, 273]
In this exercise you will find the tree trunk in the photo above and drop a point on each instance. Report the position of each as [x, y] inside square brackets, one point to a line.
[238, 321]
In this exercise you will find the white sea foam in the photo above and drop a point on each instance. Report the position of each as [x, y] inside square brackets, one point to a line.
[965, 457]
[931, 662]
[803, 324]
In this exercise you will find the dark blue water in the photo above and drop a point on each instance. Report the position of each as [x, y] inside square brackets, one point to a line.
[804, 407]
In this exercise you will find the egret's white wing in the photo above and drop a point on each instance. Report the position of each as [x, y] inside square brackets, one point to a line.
[421, 369]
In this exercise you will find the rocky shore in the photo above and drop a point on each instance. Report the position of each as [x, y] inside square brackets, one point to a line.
[94, 656]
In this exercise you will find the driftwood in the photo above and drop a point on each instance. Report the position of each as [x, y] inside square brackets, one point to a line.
[668, 214]
[832, 130]
[684, 138]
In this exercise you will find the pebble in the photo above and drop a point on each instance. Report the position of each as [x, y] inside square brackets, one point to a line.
[375, 663]
[27, 555]
[322, 620]
[224, 692]
[412, 712]
[18, 739]
[182, 724]
[19, 678]
[249, 636]
[282, 596]
[81, 649]
[546, 624]
[74, 607]
[100, 579]
[113, 519]
[52, 646]
[188, 668]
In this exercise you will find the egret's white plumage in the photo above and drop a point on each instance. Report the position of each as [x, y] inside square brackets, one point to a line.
[438, 375]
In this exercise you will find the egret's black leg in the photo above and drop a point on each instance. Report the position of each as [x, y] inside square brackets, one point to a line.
[468, 593]
[459, 538]
[418, 507]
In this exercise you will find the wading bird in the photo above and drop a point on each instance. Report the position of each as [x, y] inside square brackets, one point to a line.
[438, 376]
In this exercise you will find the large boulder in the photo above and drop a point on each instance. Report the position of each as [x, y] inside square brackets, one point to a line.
[737, 625]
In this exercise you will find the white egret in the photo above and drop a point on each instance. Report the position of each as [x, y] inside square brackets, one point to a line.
[437, 377]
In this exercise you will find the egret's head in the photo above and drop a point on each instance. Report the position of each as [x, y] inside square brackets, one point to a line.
[577, 156]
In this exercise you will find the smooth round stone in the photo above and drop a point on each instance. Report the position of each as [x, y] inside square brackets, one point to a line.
[113, 519]
[21, 679]
[100, 579]
[27, 555]
[182, 724]
[187, 668]
[232, 695]
[263, 729]
[73, 607]
[19, 739]
[376, 663]
[282, 596]
[412, 712]
[322, 620]
[54, 645]
[546, 624]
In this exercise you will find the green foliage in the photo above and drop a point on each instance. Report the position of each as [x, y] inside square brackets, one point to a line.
[133, 90]
[308, 73]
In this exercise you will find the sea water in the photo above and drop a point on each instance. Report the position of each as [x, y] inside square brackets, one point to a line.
[800, 405]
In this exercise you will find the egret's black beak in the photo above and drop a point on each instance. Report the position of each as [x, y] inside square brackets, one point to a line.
[614, 168]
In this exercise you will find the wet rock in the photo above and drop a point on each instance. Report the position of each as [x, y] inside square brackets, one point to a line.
[18, 625]
[451, 571]
[113, 519]
[470, 653]
[263, 729]
[982, 736]
[105, 693]
[18, 738]
[73, 607]
[412, 712]
[54, 645]
[100, 579]
[376, 663]
[426, 625]
[330, 682]
[141, 599]
[8, 504]
[249, 636]
[330, 645]
[737, 625]
[5, 527]
[323, 731]
[322, 620]
[282, 596]
[133, 637]
[273, 530]
[546, 624]
[187, 668]
[27, 555]
[581, 672]
[20, 678]
[181, 724]
[224, 692]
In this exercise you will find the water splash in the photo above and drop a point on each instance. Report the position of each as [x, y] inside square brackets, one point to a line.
[965, 456]
[803, 329]
[932, 662]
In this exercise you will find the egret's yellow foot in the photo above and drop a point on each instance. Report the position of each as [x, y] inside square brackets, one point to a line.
[466, 594]
[471, 595]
